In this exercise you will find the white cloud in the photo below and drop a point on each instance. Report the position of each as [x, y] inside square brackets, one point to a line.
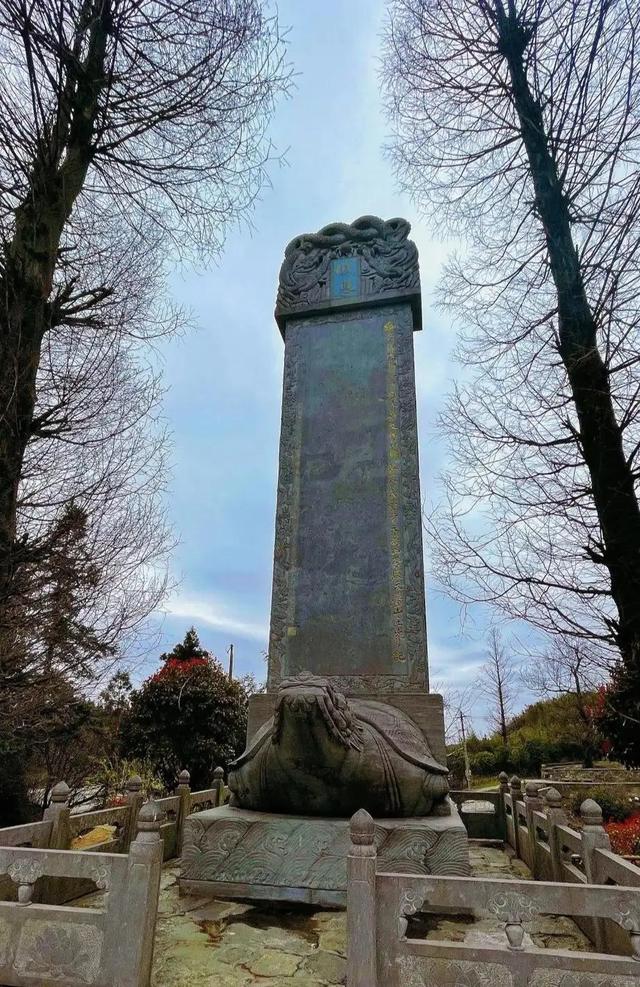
[213, 613]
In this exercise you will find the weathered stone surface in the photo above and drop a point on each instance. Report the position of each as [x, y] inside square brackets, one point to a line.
[327, 966]
[332, 932]
[348, 590]
[210, 945]
[272, 963]
[356, 755]
[348, 586]
[234, 852]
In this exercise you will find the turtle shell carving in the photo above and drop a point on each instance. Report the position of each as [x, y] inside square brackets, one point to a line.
[323, 754]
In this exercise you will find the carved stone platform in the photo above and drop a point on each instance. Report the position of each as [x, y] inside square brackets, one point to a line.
[235, 853]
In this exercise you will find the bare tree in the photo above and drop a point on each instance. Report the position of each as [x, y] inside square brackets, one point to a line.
[497, 682]
[457, 703]
[131, 132]
[517, 128]
[573, 668]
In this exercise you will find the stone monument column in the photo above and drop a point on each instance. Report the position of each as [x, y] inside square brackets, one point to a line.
[347, 721]
[348, 579]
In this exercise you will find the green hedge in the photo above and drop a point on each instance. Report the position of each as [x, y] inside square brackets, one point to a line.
[522, 757]
[615, 808]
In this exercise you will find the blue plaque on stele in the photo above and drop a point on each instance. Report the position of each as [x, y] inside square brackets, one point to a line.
[345, 277]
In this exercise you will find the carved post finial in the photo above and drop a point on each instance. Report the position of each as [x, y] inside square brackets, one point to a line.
[184, 808]
[58, 812]
[60, 793]
[218, 773]
[362, 828]
[140, 898]
[556, 816]
[134, 799]
[150, 818]
[516, 786]
[591, 813]
[553, 798]
[503, 778]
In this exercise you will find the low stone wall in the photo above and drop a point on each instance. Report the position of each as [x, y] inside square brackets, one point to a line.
[538, 832]
[381, 950]
[594, 776]
[482, 813]
[59, 830]
[110, 945]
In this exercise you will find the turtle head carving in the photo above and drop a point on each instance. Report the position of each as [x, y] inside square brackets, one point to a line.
[325, 754]
[308, 698]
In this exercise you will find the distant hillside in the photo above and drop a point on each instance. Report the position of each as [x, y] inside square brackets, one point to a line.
[551, 719]
[547, 731]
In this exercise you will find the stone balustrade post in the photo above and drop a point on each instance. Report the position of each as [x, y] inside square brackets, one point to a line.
[218, 784]
[134, 800]
[594, 837]
[50, 890]
[533, 802]
[184, 792]
[136, 921]
[361, 903]
[503, 780]
[557, 817]
[59, 812]
[516, 796]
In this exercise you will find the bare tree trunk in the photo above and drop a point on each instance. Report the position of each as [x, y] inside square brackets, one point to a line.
[600, 434]
[502, 712]
[27, 282]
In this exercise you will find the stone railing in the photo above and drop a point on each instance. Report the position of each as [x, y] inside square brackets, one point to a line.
[538, 831]
[59, 829]
[483, 813]
[382, 951]
[575, 771]
[110, 945]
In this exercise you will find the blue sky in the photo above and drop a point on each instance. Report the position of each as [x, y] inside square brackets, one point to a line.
[224, 379]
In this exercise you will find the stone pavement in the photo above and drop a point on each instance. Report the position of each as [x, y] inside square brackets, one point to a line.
[205, 943]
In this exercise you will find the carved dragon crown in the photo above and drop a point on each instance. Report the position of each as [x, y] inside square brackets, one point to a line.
[370, 261]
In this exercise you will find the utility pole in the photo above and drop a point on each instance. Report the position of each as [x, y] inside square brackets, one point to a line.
[230, 653]
[467, 766]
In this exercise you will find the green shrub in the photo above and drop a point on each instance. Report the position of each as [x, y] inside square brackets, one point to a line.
[112, 774]
[187, 715]
[615, 808]
[455, 764]
[484, 763]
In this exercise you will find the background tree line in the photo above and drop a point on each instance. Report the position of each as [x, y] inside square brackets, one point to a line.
[188, 714]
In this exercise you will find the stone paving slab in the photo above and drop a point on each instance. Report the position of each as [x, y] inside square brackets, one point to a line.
[205, 943]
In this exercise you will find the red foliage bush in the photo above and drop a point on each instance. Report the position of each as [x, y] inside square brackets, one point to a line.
[116, 801]
[625, 836]
[179, 666]
[189, 714]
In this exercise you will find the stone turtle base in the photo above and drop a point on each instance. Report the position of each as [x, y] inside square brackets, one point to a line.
[236, 853]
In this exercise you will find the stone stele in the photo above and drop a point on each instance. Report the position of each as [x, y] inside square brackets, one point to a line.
[347, 721]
